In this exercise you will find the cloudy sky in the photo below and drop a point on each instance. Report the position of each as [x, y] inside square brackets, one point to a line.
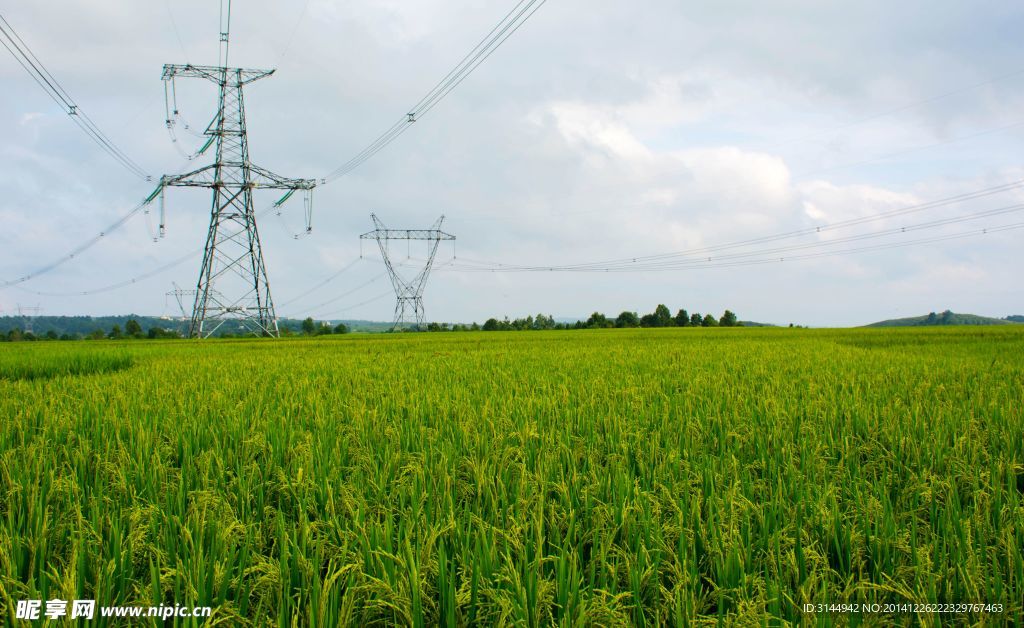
[601, 130]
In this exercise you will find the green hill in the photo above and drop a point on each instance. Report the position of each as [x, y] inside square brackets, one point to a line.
[944, 318]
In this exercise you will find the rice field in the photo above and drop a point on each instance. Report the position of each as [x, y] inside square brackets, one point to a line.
[608, 477]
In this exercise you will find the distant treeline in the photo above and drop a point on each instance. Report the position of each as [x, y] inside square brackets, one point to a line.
[133, 329]
[12, 328]
[159, 329]
[660, 317]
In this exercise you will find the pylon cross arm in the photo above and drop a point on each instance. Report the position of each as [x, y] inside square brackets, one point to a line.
[214, 73]
[258, 178]
[406, 234]
[263, 178]
[201, 177]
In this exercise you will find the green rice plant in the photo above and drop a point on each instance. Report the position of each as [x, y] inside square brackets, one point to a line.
[23, 363]
[607, 477]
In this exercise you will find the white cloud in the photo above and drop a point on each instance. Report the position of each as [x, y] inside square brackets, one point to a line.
[825, 202]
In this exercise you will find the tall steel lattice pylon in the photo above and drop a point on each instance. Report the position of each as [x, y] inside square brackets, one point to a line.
[233, 259]
[409, 293]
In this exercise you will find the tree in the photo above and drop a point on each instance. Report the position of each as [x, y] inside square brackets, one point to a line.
[52, 335]
[728, 319]
[932, 319]
[156, 333]
[308, 326]
[682, 318]
[709, 321]
[341, 328]
[544, 322]
[133, 329]
[627, 319]
[115, 332]
[491, 324]
[97, 334]
[662, 316]
[695, 319]
[947, 318]
[598, 320]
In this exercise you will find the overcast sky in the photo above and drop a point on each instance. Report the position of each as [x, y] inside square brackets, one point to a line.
[601, 130]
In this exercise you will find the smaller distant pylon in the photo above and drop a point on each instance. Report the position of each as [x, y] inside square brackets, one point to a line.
[408, 292]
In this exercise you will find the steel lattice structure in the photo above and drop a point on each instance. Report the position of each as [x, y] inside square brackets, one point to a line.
[28, 315]
[409, 293]
[233, 259]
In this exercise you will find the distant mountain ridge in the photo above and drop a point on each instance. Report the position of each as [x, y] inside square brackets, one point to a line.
[947, 318]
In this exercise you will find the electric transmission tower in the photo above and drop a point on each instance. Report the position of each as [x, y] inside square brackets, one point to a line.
[233, 260]
[28, 316]
[409, 293]
[180, 295]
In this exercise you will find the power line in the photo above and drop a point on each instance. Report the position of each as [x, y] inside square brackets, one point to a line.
[345, 294]
[295, 29]
[701, 264]
[78, 250]
[120, 284]
[88, 244]
[798, 176]
[505, 28]
[853, 238]
[49, 84]
[822, 131]
[469, 264]
[321, 284]
[824, 228]
[177, 34]
[354, 306]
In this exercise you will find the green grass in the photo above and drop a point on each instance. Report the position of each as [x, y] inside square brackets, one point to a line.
[613, 477]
